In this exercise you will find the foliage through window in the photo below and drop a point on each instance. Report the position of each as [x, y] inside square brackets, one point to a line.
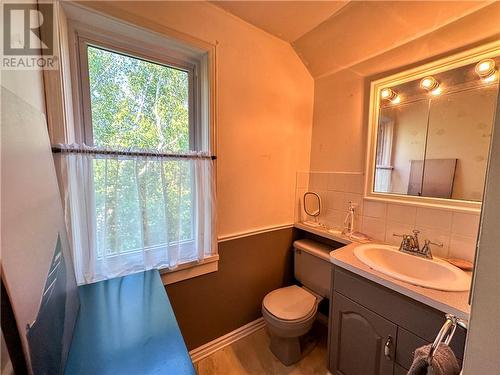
[139, 104]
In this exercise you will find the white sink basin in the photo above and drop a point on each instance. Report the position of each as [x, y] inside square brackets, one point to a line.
[429, 273]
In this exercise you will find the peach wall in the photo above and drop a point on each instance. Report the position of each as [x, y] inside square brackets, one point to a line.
[265, 101]
[338, 134]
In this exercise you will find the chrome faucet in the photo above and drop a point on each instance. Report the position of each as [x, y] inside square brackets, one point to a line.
[411, 245]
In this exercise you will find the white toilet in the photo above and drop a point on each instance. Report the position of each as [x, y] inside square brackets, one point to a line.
[290, 312]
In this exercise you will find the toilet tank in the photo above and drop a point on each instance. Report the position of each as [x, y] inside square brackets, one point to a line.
[312, 266]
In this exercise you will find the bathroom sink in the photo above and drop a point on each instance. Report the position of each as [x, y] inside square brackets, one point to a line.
[429, 273]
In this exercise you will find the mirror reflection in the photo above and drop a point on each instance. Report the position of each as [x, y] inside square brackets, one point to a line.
[402, 133]
[458, 142]
[433, 135]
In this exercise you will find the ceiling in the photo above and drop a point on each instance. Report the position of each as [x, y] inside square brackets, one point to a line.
[355, 34]
[288, 20]
[333, 35]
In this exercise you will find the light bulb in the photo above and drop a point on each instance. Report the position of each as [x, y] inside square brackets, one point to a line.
[491, 78]
[437, 91]
[429, 83]
[485, 68]
[388, 94]
[396, 100]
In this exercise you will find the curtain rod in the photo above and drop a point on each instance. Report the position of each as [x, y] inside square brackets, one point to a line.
[64, 150]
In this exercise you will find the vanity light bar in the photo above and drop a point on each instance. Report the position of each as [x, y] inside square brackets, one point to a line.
[485, 69]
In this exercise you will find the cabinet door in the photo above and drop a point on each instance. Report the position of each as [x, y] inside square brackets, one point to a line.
[398, 370]
[362, 342]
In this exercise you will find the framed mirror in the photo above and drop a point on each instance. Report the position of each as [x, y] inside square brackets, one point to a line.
[312, 207]
[430, 130]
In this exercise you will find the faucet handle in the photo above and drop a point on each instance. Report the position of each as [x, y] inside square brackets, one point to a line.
[399, 235]
[426, 250]
[429, 242]
[415, 231]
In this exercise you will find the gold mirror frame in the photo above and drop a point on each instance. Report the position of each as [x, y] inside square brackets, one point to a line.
[489, 50]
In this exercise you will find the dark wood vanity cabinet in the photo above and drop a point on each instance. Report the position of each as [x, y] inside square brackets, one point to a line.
[374, 330]
[362, 341]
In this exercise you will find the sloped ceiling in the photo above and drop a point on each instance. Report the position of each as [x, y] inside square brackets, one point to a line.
[364, 29]
[288, 20]
[333, 35]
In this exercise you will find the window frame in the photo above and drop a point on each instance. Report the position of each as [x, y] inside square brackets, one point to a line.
[123, 48]
[110, 43]
[156, 43]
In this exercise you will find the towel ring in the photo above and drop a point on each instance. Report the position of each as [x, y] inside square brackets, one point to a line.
[446, 332]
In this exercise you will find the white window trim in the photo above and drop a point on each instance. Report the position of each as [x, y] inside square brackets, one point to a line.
[188, 270]
[66, 121]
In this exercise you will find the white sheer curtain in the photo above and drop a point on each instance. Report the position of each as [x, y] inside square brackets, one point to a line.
[129, 213]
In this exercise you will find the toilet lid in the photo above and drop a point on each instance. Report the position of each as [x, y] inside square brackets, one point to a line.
[290, 303]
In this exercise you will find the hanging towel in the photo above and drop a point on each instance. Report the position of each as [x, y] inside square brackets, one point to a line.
[443, 362]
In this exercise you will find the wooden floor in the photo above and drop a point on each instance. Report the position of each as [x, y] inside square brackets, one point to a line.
[251, 355]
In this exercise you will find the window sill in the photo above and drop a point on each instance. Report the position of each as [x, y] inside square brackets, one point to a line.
[189, 270]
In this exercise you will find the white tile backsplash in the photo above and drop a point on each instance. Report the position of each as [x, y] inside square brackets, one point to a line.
[457, 231]
[337, 182]
[433, 218]
[375, 209]
[324, 198]
[373, 227]
[318, 181]
[333, 218]
[356, 199]
[354, 183]
[401, 213]
[335, 200]
[462, 247]
[465, 224]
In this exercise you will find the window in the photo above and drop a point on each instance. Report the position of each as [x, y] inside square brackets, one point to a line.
[383, 167]
[138, 103]
[140, 181]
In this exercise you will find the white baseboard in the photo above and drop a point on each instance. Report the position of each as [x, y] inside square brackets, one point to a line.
[219, 343]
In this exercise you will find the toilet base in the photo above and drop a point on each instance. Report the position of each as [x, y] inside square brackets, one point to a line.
[286, 349]
[290, 350]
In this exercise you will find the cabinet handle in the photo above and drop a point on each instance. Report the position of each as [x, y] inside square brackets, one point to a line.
[387, 348]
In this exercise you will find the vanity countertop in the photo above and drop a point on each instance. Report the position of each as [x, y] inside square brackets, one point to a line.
[322, 232]
[456, 303]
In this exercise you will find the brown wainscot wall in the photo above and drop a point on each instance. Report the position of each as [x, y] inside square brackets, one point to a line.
[212, 305]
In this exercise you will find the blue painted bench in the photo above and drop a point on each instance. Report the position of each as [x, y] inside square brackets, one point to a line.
[126, 325]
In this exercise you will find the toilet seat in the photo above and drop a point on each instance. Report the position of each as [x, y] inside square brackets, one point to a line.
[290, 304]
